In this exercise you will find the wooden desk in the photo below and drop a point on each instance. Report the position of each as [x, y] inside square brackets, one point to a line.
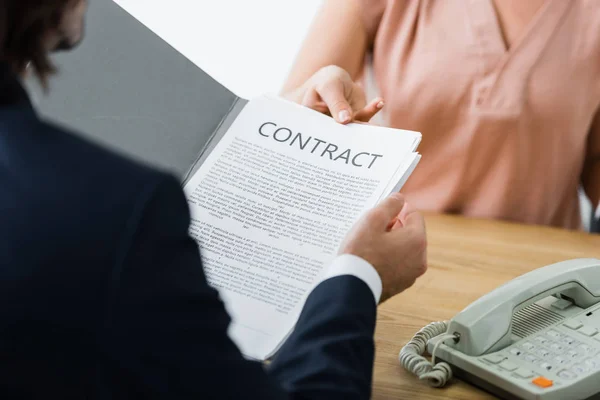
[467, 259]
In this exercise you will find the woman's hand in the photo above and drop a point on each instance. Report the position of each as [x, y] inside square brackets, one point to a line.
[332, 91]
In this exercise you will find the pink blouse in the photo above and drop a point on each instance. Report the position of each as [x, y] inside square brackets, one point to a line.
[505, 131]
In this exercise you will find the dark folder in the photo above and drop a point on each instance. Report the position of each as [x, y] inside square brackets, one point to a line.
[126, 88]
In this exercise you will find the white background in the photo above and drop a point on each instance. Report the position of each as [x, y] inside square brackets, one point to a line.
[247, 45]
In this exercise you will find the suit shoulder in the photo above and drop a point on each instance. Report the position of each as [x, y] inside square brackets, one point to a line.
[91, 171]
[90, 174]
[95, 157]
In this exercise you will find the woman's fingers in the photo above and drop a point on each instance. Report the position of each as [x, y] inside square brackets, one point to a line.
[369, 111]
[333, 94]
[313, 101]
[330, 98]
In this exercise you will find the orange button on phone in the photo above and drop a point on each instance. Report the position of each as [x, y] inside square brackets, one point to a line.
[542, 382]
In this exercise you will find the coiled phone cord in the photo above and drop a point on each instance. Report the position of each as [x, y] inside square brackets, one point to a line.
[411, 355]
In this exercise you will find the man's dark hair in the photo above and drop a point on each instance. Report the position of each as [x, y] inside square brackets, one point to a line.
[24, 25]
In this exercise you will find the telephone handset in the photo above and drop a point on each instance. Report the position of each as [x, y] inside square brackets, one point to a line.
[535, 337]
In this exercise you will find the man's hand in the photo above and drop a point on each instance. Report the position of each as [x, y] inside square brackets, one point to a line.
[391, 237]
[332, 91]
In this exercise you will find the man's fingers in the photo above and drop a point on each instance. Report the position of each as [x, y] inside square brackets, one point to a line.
[413, 230]
[369, 111]
[387, 211]
[396, 224]
[333, 94]
[412, 219]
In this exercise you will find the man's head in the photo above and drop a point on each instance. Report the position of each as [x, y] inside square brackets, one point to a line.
[31, 29]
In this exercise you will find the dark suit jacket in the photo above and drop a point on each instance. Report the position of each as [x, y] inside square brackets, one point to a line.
[103, 295]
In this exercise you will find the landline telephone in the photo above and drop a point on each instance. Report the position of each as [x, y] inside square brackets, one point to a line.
[535, 337]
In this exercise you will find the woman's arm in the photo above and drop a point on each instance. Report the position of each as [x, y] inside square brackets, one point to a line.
[336, 37]
[329, 61]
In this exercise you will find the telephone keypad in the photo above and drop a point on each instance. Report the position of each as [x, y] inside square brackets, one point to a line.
[541, 352]
[572, 354]
[560, 360]
[524, 373]
[494, 358]
[553, 352]
[573, 324]
[592, 363]
[528, 346]
[531, 358]
[508, 366]
[584, 348]
[557, 347]
[515, 351]
[588, 331]
[568, 340]
[579, 369]
[541, 340]
[565, 374]
[546, 365]
[554, 334]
